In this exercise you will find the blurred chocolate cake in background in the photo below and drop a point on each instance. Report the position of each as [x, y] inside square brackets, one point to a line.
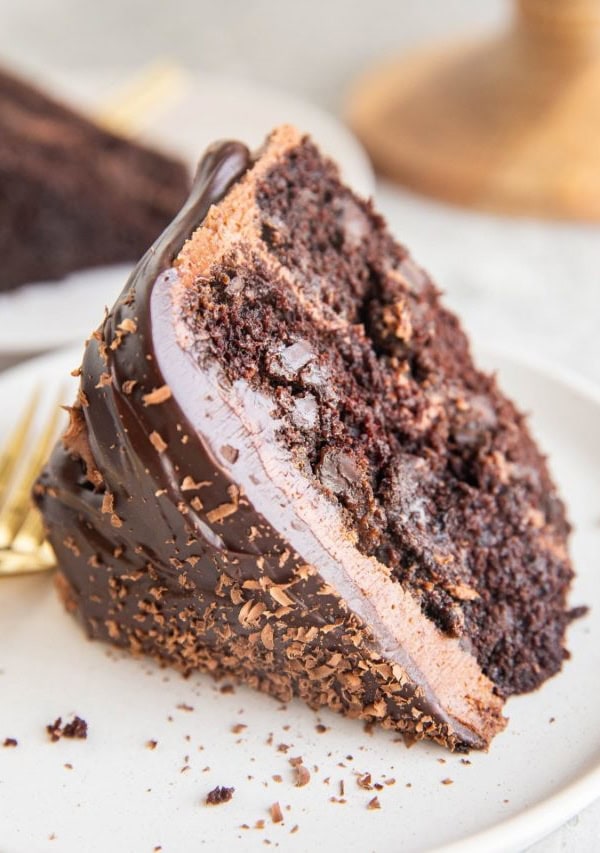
[73, 195]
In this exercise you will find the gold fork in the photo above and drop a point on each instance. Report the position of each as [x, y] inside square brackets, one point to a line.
[23, 547]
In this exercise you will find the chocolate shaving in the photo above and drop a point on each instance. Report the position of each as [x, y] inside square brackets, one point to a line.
[128, 326]
[157, 396]
[158, 442]
[221, 512]
[302, 774]
[365, 782]
[276, 813]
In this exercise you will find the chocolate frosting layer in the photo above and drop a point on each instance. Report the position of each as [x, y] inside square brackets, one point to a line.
[183, 531]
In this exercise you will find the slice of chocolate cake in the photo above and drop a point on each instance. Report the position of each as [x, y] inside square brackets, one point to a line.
[284, 467]
[71, 194]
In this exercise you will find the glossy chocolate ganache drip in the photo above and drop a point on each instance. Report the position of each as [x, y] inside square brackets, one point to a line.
[183, 530]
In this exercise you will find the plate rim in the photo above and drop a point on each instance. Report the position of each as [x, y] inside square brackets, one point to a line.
[534, 822]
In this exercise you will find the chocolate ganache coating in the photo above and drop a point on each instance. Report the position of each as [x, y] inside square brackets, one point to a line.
[156, 504]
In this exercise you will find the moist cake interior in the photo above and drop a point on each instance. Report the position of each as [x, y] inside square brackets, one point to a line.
[303, 294]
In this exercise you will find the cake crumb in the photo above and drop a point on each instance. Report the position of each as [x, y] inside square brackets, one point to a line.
[219, 795]
[321, 729]
[151, 744]
[157, 396]
[239, 727]
[10, 742]
[77, 728]
[447, 781]
[374, 804]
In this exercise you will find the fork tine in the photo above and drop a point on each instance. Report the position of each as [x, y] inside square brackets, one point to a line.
[17, 504]
[31, 533]
[126, 111]
[15, 563]
[10, 453]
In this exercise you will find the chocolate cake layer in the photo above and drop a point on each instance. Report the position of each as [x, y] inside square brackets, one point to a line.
[73, 195]
[283, 466]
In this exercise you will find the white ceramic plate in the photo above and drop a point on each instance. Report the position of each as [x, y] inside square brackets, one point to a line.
[206, 108]
[111, 792]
